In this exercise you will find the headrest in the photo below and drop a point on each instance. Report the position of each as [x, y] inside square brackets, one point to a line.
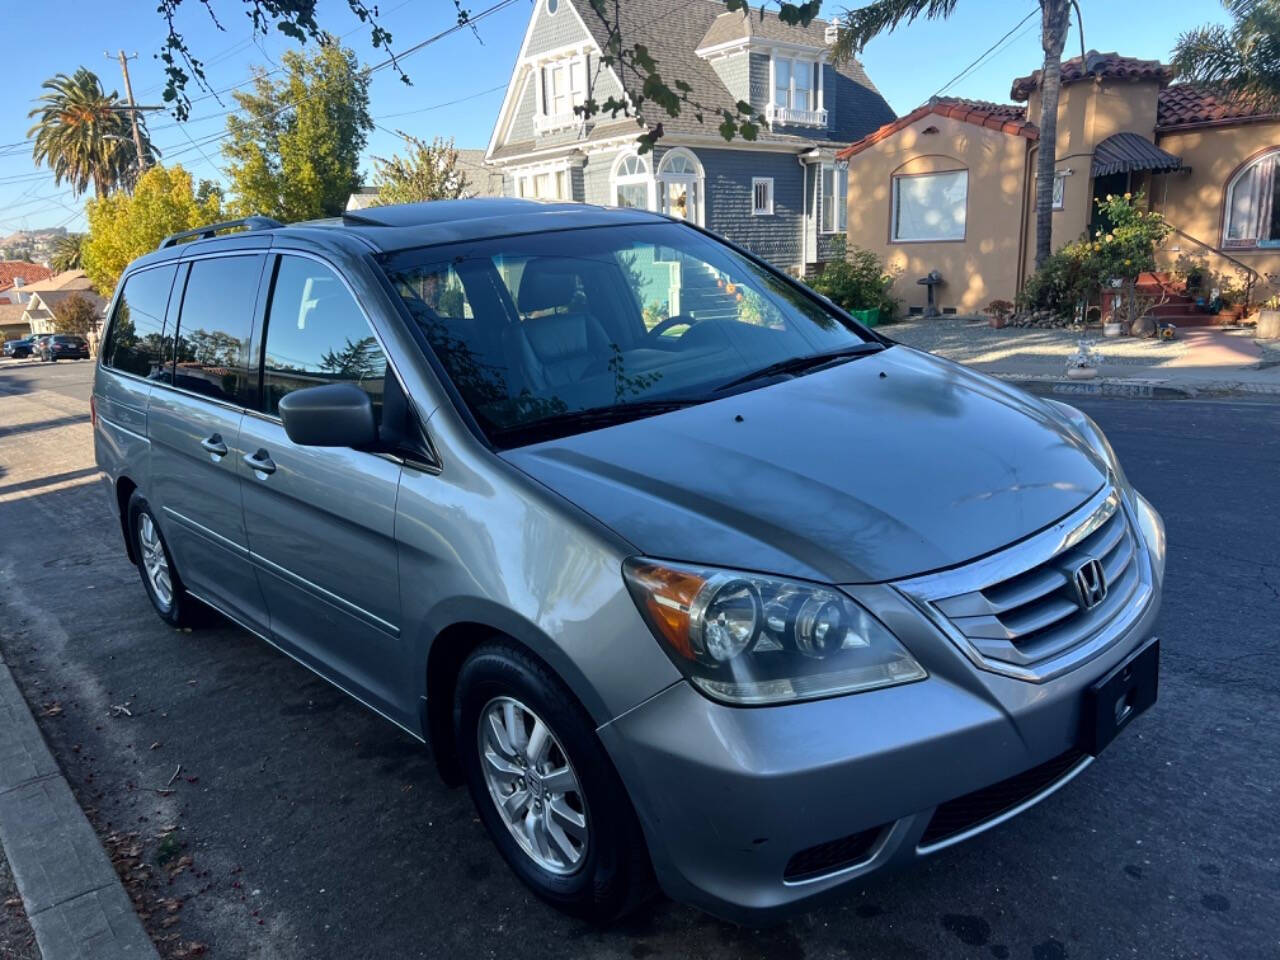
[547, 284]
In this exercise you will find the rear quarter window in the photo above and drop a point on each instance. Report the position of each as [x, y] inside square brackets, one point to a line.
[136, 342]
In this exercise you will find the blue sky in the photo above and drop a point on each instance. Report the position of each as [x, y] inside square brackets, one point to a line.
[458, 81]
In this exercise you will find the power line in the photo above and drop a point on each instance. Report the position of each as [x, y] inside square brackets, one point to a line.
[986, 52]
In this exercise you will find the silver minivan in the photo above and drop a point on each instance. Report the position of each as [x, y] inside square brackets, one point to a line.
[693, 580]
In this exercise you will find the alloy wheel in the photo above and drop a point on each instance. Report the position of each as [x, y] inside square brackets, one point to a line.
[154, 560]
[533, 785]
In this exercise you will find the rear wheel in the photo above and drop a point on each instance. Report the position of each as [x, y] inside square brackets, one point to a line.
[155, 565]
[544, 787]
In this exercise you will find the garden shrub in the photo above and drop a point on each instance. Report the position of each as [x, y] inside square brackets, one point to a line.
[859, 282]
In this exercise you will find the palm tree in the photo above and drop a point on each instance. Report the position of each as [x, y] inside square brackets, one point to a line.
[67, 253]
[882, 16]
[83, 134]
[1241, 61]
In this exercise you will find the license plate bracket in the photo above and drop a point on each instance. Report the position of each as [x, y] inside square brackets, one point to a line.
[1113, 702]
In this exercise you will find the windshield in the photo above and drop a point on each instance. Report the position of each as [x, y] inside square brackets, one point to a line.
[606, 322]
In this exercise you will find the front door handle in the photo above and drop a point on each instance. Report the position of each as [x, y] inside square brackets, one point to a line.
[260, 462]
[214, 445]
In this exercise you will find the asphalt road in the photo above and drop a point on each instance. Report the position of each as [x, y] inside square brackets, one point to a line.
[314, 829]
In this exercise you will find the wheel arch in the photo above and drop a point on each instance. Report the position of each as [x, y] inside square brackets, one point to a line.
[453, 643]
[124, 492]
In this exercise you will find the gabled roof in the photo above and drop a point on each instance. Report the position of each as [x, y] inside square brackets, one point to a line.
[66, 280]
[673, 33]
[1005, 117]
[11, 312]
[1193, 105]
[1095, 64]
[748, 24]
[29, 272]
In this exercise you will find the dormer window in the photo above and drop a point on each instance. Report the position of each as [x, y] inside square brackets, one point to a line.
[797, 91]
[562, 85]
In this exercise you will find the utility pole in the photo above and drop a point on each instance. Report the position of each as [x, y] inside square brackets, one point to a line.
[133, 110]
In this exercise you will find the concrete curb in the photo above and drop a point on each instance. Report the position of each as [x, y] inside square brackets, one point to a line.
[74, 900]
[1139, 389]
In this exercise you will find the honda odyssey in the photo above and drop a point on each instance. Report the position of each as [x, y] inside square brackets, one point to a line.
[688, 576]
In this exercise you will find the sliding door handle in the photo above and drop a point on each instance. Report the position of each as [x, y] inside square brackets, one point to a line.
[214, 445]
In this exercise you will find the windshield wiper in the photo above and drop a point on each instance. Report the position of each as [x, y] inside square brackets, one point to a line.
[575, 421]
[803, 364]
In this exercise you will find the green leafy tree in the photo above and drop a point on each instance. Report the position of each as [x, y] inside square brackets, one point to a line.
[294, 144]
[75, 314]
[122, 227]
[1241, 60]
[429, 172]
[68, 252]
[83, 135]
[883, 16]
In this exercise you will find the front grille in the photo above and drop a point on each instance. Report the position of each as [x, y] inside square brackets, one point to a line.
[1023, 615]
[831, 856]
[974, 809]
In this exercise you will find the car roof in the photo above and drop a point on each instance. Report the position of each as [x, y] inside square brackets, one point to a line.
[402, 226]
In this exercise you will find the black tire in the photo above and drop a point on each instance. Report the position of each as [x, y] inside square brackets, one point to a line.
[182, 610]
[615, 875]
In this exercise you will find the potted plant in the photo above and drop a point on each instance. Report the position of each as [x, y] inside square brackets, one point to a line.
[1083, 364]
[998, 313]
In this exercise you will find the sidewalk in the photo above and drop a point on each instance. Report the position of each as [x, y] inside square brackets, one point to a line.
[1201, 362]
[73, 899]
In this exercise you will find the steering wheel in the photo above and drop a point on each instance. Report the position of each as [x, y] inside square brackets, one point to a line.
[680, 319]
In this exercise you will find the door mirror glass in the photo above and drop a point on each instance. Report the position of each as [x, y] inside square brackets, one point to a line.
[333, 415]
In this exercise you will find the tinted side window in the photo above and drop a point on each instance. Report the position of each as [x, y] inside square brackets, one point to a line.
[316, 334]
[136, 342]
[212, 346]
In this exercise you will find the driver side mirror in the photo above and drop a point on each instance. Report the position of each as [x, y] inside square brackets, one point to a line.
[333, 415]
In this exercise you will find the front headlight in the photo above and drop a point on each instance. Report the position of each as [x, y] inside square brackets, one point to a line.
[748, 639]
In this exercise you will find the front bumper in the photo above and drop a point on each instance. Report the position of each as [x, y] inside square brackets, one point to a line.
[728, 797]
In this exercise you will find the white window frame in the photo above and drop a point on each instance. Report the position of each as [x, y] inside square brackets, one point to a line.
[758, 209]
[561, 83]
[554, 177]
[811, 67]
[695, 179]
[646, 179]
[839, 222]
[1258, 177]
[893, 207]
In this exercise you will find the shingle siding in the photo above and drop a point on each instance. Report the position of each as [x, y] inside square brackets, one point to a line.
[522, 121]
[551, 31]
[759, 81]
[735, 73]
[729, 173]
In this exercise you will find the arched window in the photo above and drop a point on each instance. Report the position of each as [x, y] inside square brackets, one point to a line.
[633, 182]
[680, 185]
[1253, 205]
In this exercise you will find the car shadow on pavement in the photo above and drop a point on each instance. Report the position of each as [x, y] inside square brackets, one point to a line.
[38, 425]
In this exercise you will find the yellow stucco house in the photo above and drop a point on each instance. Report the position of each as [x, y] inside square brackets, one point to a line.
[951, 186]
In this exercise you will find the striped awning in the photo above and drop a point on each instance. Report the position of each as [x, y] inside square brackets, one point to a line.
[1130, 153]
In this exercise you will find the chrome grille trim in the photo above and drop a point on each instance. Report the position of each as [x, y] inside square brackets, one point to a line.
[1016, 613]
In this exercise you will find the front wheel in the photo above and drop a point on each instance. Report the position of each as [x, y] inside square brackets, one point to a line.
[155, 564]
[544, 787]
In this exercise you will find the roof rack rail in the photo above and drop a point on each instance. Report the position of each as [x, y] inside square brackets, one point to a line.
[251, 223]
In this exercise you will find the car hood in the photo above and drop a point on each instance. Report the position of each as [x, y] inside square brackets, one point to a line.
[884, 467]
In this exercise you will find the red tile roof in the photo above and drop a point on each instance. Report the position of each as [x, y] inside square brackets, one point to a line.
[29, 272]
[1006, 117]
[1188, 105]
[1108, 65]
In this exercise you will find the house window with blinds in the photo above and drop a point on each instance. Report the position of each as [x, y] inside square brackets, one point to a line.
[833, 191]
[930, 206]
[1253, 206]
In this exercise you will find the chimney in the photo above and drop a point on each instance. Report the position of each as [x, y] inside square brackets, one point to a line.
[18, 282]
[832, 32]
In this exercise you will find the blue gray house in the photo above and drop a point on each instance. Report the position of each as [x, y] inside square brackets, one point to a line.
[782, 196]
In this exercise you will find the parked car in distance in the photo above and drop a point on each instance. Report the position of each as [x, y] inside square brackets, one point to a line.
[18, 348]
[38, 340]
[682, 571]
[64, 346]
